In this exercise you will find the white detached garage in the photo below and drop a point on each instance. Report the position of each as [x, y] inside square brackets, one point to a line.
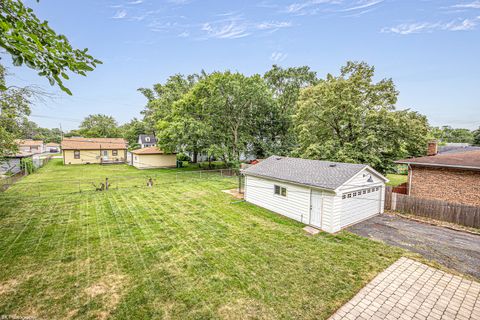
[326, 195]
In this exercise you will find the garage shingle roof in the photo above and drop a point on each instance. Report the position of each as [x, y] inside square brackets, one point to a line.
[322, 174]
[150, 150]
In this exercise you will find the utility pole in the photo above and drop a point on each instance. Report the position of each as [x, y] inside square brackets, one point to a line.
[61, 131]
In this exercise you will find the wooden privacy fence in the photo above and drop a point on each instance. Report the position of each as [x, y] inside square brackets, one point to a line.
[434, 209]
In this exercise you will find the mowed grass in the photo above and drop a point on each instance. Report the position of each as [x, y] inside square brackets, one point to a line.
[179, 250]
[396, 179]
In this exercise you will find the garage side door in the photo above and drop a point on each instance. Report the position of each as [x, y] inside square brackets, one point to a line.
[359, 205]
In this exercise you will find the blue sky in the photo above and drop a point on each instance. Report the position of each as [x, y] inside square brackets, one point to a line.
[431, 49]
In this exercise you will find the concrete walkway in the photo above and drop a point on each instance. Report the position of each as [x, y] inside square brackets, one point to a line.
[454, 249]
[411, 290]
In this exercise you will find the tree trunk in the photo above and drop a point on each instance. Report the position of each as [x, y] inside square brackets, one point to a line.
[195, 156]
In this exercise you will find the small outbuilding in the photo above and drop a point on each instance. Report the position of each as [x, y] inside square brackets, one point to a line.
[326, 195]
[153, 157]
[12, 164]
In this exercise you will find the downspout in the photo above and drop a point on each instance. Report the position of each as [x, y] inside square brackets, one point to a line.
[410, 173]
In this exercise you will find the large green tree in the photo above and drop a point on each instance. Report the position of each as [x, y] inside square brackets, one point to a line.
[162, 97]
[221, 115]
[131, 130]
[99, 126]
[285, 83]
[14, 109]
[351, 118]
[30, 130]
[32, 42]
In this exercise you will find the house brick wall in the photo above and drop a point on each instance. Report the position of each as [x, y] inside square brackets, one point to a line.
[452, 185]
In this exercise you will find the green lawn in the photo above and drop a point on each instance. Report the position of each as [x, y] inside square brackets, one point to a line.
[180, 250]
[396, 179]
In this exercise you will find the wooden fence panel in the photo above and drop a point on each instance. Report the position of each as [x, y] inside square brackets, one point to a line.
[388, 198]
[434, 209]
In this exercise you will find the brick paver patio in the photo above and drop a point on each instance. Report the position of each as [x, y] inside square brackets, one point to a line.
[411, 290]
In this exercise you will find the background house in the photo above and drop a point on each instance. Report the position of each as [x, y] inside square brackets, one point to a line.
[79, 150]
[153, 157]
[147, 140]
[327, 195]
[30, 146]
[52, 147]
[449, 176]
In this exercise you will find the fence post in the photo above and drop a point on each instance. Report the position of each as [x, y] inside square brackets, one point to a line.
[394, 201]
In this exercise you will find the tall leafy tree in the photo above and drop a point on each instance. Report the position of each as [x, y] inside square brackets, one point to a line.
[14, 109]
[99, 126]
[30, 130]
[131, 130]
[237, 107]
[32, 42]
[351, 118]
[220, 115]
[285, 84]
[162, 97]
[188, 127]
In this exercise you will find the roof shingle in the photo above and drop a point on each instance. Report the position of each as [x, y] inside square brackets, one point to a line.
[466, 159]
[80, 143]
[144, 140]
[29, 142]
[322, 174]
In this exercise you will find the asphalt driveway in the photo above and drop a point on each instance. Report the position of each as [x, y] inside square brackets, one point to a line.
[454, 249]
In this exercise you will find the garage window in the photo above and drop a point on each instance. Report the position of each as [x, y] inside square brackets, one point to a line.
[76, 154]
[281, 191]
[114, 152]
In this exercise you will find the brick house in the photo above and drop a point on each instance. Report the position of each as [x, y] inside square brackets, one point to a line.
[452, 177]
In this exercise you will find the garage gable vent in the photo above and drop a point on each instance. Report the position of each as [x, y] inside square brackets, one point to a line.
[332, 165]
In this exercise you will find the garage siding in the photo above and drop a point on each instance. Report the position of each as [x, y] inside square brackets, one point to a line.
[337, 212]
[328, 218]
[296, 205]
[360, 180]
[151, 161]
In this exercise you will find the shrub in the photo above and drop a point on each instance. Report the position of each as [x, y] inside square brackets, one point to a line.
[183, 157]
[27, 165]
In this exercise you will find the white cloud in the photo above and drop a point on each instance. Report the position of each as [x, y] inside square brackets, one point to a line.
[135, 2]
[471, 5]
[421, 27]
[229, 30]
[308, 7]
[273, 25]
[184, 34]
[363, 5]
[120, 14]
[278, 57]
[466, 24]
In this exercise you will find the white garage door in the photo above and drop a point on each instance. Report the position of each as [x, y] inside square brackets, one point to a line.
[360, 204]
